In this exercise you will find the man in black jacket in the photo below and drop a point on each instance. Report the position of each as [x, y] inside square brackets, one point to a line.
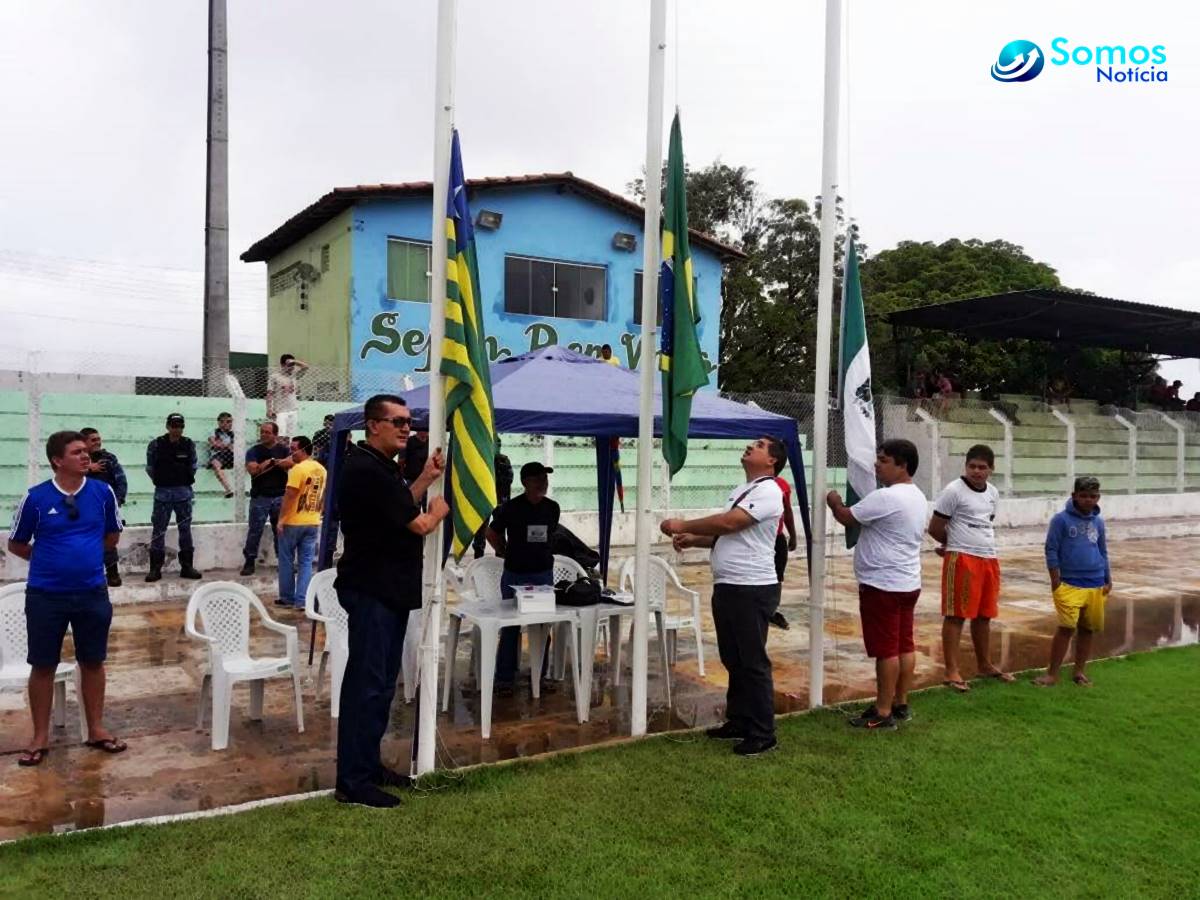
[107, 468]
[171, 465]
[378, 584]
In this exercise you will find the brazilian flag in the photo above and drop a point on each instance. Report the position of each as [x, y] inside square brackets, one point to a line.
[683, 368]
[465, 365]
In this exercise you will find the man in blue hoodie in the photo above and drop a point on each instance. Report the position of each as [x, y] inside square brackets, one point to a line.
[1077, 557]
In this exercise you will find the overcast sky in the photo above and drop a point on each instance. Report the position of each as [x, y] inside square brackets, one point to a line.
[104, 132]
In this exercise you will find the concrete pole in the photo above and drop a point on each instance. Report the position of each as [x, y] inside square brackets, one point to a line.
[651, 259]
[816, 607]
[431, 572]
[216, 209]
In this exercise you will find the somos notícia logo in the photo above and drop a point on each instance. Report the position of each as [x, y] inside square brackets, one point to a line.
[1018, 61]
[1115, 63]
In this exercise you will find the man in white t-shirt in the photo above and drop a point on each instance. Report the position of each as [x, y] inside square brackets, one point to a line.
[887, 566]
[283, 406]
[745, 593]
[962, 524]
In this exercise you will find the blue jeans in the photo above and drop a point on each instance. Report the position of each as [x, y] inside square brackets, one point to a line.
[160, 518]
[376, 649]
[261, 509]
[509, 652]
[296, 547]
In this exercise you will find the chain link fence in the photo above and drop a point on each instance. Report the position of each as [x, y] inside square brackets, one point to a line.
[1039, 448]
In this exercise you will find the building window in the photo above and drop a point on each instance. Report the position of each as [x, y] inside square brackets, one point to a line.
[324, 257]
[637, 301]
[409, 270]
[542, 287]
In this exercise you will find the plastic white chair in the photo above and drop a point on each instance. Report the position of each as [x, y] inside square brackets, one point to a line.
[410, 662]
[662, 576]
[14, 650]
[223, 608]
[336, 650]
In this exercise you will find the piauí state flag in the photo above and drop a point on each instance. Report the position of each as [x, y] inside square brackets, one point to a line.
[465, 365]
[858, 409]
[683, 367]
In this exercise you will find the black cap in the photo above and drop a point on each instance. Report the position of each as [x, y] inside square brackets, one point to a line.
[531, 469]
[175, 419]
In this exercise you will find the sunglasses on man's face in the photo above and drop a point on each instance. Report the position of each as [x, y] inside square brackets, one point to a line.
[398, 421]
[72, 507]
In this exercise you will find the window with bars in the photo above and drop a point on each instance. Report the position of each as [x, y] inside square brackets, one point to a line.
[409, 270]
[543, 287]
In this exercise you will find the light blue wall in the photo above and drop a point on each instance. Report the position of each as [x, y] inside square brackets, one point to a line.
[389, 337]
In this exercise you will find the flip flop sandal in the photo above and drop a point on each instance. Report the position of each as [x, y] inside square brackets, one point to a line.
[1082, 680]
[959, 686]
[1006, 677]
[30, 758]
[108, 745]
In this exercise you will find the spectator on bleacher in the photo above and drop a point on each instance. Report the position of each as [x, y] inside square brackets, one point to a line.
[267, 462]
[299, 523]
[283, 406]
[320, 441]
[1174, 401]
[1058, 392]
[1193, 405]
[220, 451]
[919, 387]
[171, 465]
[1159, 392]
[107, 468]
[63, 527]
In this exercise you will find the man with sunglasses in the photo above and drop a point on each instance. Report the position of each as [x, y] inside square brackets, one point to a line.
[378, 584]
[63, 527]
[171, 464]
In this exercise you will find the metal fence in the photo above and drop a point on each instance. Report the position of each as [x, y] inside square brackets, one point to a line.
[1039, 448]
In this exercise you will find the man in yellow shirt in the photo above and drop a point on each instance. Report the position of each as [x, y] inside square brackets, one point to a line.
[606, 354]
[299, 523]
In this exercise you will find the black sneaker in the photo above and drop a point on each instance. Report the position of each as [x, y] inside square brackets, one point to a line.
[248, 568]
[755, 746]
[726, 732]
[871, 720]
[369, 796]
[779, 621]
[901, 713]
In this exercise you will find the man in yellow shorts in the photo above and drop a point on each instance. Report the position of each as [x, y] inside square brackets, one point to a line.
[1077, 557]
[962, 524]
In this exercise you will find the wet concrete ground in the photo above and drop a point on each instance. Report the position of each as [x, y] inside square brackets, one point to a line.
[169, 768]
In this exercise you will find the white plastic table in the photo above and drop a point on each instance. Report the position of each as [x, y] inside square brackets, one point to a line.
[587, 621]
[489, 618]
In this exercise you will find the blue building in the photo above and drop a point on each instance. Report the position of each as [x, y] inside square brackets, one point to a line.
[560, 262]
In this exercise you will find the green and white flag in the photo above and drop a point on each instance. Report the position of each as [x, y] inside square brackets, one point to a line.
[858, 408]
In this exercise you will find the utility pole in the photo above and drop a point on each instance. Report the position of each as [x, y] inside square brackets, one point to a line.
[216, 209]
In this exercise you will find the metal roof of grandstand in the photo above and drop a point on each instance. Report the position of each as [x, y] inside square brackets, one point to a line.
[1063, 316]
[339, 199]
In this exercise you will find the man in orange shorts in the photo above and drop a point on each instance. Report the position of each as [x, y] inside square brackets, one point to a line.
[962, 524]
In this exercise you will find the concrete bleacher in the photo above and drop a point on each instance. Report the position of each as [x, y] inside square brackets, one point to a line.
[1040, 448]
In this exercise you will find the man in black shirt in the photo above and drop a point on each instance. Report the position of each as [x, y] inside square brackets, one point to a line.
[267, 462]
[520, 532]
[378, 584]
[320, 441]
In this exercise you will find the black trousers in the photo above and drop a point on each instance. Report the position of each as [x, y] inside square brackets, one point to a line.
[376, 650]
[781, 555]
[741, 614]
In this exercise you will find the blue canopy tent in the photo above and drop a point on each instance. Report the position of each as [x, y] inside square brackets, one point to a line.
[560, 392]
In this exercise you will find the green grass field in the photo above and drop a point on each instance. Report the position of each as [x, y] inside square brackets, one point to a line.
[1008, 791]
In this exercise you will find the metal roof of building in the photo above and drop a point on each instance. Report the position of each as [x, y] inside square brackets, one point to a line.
[1063, 316]
[340, 199]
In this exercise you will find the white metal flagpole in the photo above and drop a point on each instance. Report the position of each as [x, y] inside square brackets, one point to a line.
[816, 621]
[644, 529]
[431, 571]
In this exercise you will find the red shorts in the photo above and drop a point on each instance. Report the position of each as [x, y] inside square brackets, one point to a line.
[887, 620]
[970, 586]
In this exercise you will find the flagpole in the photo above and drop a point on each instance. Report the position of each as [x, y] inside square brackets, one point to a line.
[651, 259]
[816, 622]
[431, 570]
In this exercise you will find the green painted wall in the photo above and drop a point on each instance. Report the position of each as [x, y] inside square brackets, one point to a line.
[320, 334]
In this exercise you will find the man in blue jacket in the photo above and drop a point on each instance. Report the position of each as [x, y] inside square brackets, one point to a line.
[1077, 557]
